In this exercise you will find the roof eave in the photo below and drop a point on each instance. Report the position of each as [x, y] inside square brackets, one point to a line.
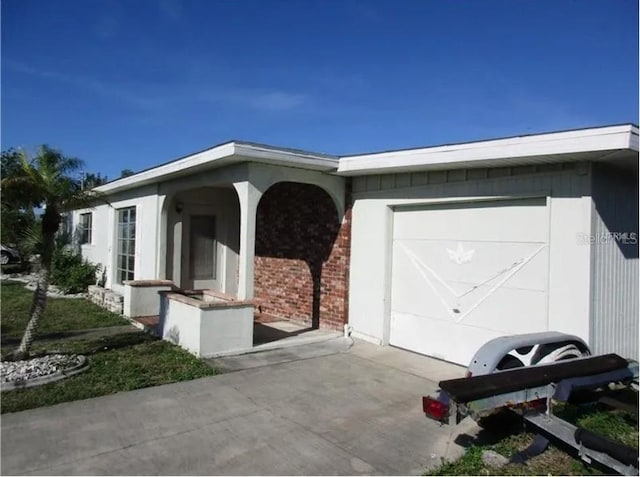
[552, 147]
[219, 156]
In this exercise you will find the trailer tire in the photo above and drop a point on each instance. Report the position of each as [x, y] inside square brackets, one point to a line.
[501, 423]
[509, 362]
[503, 418]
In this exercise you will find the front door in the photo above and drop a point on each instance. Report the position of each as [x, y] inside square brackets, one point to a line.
[202, 253]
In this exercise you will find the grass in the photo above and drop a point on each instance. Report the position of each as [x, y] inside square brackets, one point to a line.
[553, 461]
[61, 314]
[122, 362]
[119, 362]
[615, 424]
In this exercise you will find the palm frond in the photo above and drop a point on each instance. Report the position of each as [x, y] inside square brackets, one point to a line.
[30, 171]
[56, 164]
[31, 240]
[21, 190]
[84, 199]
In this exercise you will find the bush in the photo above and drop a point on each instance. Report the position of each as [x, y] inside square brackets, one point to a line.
[70, 272]
[10, 268]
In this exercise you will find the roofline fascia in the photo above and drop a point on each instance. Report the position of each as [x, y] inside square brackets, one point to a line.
[225, 154]
[604, 138]
[402, 160]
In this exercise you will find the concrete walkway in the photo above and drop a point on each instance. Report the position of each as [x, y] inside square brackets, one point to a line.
[294, 350]
[353, 412]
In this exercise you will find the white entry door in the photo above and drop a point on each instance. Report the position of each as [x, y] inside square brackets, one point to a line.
[201, 253]
[465, 273]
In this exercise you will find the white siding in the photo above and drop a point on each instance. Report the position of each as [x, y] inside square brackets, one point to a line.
[614, 312]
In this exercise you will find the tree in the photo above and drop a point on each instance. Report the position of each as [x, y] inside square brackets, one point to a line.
[126, 173]
[13, 223]
[45, 181]
[91, 180]
[10, 162]
[15, 217]
[11, 166]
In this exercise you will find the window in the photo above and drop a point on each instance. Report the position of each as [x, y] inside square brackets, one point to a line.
[66, 224]
[126, 244]
[86, 222]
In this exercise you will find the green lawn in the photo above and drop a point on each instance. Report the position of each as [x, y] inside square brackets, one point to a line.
[120, 362]
[117, 363]
[553, 461]
[615, 424]
[61, 314]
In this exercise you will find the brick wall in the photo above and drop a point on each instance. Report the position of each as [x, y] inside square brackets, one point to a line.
[302, 256]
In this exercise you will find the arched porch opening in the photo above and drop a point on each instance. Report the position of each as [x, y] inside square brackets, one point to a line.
[301, 257]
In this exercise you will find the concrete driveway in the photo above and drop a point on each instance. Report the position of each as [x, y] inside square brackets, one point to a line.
[328, 412]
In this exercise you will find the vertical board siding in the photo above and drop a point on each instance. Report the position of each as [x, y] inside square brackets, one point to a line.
[378, 182]
[614, 266]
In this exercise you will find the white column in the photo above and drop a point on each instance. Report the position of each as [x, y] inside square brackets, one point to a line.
[161, 236]
[248, 196]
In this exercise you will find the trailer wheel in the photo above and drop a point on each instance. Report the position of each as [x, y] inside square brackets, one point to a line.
[503, 418]
[501, 423]
[509, 362]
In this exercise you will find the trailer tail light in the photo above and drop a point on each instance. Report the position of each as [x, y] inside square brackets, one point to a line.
[468, 375]
[435, 409]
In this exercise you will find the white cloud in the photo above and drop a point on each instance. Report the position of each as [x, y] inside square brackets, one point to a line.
[274, 100]
[88, 84]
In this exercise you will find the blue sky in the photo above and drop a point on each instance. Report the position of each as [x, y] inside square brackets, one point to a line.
[130, 84]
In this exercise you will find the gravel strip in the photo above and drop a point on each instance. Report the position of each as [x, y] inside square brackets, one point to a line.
[31, 281]
[15, 371]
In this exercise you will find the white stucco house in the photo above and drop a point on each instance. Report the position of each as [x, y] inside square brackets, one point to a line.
[435, 249]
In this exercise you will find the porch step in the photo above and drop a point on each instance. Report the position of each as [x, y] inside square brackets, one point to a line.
[146, 323]
[265, 318]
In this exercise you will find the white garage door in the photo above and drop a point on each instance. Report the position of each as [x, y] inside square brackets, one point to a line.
[466, 273]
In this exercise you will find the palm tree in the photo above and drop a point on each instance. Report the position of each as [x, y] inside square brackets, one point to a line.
[45, 181]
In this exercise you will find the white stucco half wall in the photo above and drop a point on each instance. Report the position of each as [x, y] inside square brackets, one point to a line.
[207, 331]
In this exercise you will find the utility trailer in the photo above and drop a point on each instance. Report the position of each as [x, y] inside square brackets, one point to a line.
[531, 389]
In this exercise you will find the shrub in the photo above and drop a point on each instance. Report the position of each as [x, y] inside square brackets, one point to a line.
[70, 272]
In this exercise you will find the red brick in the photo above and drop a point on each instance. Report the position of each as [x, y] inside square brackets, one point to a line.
[297, 231]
